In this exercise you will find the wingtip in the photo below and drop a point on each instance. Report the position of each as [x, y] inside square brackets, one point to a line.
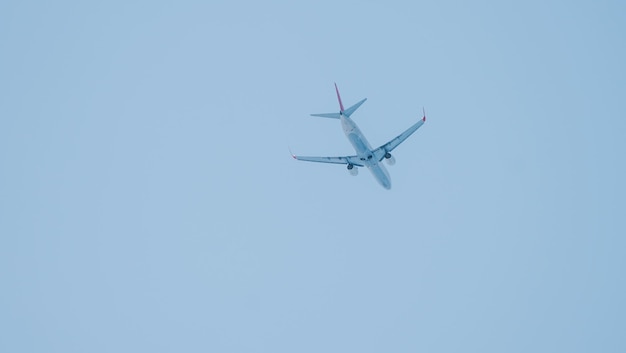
[291, 153]
[424, 111]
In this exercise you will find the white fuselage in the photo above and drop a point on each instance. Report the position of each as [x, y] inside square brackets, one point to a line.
[364, 151]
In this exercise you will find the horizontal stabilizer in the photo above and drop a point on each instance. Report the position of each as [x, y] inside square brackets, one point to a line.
[328, 115]
[351, 110]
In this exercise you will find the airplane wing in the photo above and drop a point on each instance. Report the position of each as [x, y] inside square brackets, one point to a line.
[354, 160]
[380, 152]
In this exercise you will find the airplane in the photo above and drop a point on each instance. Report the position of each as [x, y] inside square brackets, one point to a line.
[365, 155]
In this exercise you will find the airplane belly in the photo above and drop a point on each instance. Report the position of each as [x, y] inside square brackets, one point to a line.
[357, 142]
[381, 175]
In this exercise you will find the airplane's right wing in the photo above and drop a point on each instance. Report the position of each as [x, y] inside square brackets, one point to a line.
[381, 151]
[353, 160]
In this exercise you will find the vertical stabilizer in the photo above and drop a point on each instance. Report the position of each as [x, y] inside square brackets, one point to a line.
[339, 98]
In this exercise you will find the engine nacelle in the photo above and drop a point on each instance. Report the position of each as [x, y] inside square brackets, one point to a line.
[391, 160]
[353, 170]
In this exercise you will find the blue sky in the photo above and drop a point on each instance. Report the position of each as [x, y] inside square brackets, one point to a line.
[148, 201]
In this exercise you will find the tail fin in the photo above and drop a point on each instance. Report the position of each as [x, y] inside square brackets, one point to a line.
[339, 98]
[342, 111]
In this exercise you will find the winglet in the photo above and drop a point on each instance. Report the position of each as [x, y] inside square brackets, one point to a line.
[291, 153]
[424, 111]
[339, 98]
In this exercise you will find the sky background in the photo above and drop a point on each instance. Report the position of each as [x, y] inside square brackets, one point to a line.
[148, 202]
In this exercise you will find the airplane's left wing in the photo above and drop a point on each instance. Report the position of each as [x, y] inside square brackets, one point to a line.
[354, 160]
[381, 151]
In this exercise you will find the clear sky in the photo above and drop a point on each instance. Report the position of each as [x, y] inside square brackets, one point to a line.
[148, 202]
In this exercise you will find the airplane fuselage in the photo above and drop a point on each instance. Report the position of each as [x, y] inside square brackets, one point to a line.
[365, 156]
[365, 152]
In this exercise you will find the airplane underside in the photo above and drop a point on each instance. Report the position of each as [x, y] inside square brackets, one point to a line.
[365, 155]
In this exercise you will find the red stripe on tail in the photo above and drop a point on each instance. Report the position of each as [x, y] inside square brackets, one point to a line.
[339, 98]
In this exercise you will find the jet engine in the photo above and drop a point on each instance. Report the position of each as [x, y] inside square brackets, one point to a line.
[353, 170]
[391, 160]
